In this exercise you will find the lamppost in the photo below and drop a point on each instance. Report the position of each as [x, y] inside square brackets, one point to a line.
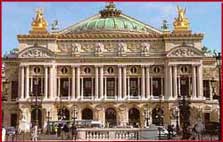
[146, 114]
[48, 123]
[74, 128]
[219, 63]
[160, 115]
[176, 115]
[36, 105]
[184, 107]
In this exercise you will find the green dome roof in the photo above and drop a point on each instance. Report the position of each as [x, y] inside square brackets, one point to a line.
[110, 20]
[111, 23]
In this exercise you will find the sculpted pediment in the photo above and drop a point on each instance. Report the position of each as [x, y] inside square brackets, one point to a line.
[184, 51]
[36, 52]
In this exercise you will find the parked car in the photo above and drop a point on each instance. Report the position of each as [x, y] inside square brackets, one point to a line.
[164, 131]
[10, 131]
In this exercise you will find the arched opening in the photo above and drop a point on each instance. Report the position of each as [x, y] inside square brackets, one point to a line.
[157, 116]
[64, 114]
[87, 114]
[134, 117]
[36, 117]
[110, 117]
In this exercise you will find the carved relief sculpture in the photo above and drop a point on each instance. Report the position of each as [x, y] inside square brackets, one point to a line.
[145, 49]
[99, 49]
[122, 49]
[75, 49]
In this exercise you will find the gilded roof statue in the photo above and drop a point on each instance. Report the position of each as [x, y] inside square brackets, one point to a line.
[39, 24]
[181, 23]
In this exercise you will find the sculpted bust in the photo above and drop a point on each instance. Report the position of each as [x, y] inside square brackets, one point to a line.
[145, 49]
[75, 49]
[99, 49]
[122, 49]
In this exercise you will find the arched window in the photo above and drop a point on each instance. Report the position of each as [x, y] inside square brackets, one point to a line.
[134, 117]
[87, 114]
[110, 117]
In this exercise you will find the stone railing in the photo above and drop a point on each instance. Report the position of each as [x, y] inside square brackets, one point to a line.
[117, 133]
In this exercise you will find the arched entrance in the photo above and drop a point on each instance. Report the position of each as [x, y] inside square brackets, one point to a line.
[64, 114]
[157, 116]
[134, 117]
[110, 117]
[87, 114]
[36, 117]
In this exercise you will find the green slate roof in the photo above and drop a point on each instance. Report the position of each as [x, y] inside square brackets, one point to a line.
[110, 19]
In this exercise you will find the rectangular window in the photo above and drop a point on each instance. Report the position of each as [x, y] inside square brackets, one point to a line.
[156, 84]
[87, 87]
[14, 90]
[64, 84]
[37, 87]
[134, 87]
[13, 119]
[110, 87]
[184, 86]
[206, 89]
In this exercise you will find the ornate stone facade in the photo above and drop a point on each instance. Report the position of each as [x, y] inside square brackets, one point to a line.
[128, 73]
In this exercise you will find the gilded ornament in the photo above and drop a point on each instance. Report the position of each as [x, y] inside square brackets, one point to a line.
[181, 23]
[39, 24]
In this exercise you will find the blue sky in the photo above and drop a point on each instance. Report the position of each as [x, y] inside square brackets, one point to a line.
[204, 17]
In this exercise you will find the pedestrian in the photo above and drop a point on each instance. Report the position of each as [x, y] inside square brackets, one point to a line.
[74, 132]
[3, 134]
[34, 133]
[169, 129]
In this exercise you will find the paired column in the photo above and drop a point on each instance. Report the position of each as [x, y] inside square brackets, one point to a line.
[143, 83]
[101, 82]
[96, 82]
[78, 82]
[200, 81]
[194, 86]
[175, 81]
[147, 83]
[73, 83]
[27, 82]
[22, 82]
[46, 82]
[124, 82]
[119, 82]
[170, 82]
[51, 82]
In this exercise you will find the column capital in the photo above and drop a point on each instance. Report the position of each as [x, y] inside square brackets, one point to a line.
[75, 66]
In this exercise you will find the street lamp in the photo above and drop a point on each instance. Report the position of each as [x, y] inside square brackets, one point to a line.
[38, 101]
[74, 128]
[48, 123]
[146, 114]
[218, 60]
[176, 116]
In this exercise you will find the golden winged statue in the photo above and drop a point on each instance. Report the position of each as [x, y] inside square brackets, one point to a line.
[181, 23]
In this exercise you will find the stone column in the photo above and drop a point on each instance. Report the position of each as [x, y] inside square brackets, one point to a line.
[124, 82]
[147, 83]
[51, 82]
[73, 83]
[200, 82]
[143, 83]
[128, 87]
[78, 82]
[82, 88]
[101, 82]
[96, 82]
[119, 82]
[170, 82]
[105, 89]
[27, 82]
[175, 81]
[46, 82]
[22, 82]
[194, 87]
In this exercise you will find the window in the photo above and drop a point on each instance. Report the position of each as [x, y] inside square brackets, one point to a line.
[133, 70]
[184, 86]
[156, 83]
[37, 86]
[87, 86]
[184, 69]
[134, 87]
[14, 119]
[64, 70]
[206, 89]
[110, 87]
[156, 69]
[36, 70]
[14, 90]
[110, 70]
[87, 70]
[64, 84]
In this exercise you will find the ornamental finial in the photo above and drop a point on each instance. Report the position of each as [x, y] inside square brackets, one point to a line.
[39, 24]
[110, 11]
[181, 23]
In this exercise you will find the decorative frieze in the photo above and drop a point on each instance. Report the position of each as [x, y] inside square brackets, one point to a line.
[35, 52]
